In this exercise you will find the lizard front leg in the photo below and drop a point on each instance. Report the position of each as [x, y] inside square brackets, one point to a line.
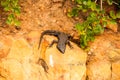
[54, 41]
[69, 44]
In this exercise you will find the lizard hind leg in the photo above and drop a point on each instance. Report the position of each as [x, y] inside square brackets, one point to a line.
[43, 64]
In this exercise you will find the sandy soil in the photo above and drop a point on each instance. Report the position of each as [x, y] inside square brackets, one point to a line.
[40, 15]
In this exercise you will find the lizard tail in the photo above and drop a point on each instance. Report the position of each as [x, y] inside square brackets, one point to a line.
[42, 34]
[47, 32]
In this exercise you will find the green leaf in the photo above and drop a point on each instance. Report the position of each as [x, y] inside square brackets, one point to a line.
[79, 27]
[80, 7]
[16, 22]
[90, 35]
[98, 29]
[83, 41]
[84, 2]
[7, 8]
[93, 14]
[16, 10]
[74, 12]
[11, 16]
[4, 3]
[9, 21]
[78, 1]
[89, 3]
[118, 14]
[113, 22]
[12, 7]
[93, 6]
[15, 2]
[84, 10]
[110, 2]
[104, 23]
[112, 15]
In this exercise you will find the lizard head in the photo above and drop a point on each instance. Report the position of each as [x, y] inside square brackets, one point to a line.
[61, 47]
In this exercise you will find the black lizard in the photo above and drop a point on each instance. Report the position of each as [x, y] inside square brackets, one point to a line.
[63, 39]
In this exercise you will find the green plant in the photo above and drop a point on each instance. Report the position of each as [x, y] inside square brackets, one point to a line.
[95, 22]
[13, 9]
[88, 29]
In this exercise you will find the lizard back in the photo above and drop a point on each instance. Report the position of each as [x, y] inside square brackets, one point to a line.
[48, 32]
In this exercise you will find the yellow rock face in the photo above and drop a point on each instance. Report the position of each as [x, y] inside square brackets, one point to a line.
[19, 59]
[99, 70]
[68, 66]
[116, 70]
[104, 56]
[19, 63]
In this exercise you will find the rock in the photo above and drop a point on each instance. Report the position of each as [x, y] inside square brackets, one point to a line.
[68, 66]
[114, 55]
[103, 55]
[5, 44]
[20, 62]
[98, 69]
[19, 59]
[20, 50]
[11, 69]
[116, 70]
[32, 37]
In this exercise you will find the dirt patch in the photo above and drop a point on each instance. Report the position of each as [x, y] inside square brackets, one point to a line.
[41, 15]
